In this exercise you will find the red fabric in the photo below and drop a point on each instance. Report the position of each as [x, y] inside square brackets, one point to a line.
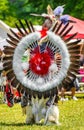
[78, 26]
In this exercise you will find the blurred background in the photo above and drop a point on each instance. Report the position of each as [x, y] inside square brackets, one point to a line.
[12, 10]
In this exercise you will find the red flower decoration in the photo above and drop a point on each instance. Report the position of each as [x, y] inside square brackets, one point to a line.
[40, 62]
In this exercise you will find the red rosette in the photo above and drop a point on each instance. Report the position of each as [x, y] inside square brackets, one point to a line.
[39, 63]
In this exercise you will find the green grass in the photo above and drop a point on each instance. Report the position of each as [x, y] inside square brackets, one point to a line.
[71, 117]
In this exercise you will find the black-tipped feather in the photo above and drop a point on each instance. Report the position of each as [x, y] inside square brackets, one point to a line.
[54, 27]
[7, 58]
[67, 81]
[74, 47]
[71, 74]
[75, 56]
[75, 51]
[75, 65]
[6, 52]
[14, 82]
[9, 48]
[68, 39]
[12, 38]
[39, 95]
[32, 28]
[23, 26]
[67, 31]
[7, 63]
[14, 44]
[28, 26]
[73, 43]
[20, 31]
[74, 70]
[68, 78]
[15, 34]
[64, 28]
[58, 28]
[10, 74]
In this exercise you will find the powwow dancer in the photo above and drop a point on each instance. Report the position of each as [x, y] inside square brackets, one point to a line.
[43, 46]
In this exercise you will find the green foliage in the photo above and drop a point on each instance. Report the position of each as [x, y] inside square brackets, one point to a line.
[11, 10]
[3, 9]
[75, 8]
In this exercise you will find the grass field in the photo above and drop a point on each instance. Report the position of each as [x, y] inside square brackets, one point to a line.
[71, 117]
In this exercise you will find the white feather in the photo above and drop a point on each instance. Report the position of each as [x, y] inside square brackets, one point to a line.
[25, 65]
